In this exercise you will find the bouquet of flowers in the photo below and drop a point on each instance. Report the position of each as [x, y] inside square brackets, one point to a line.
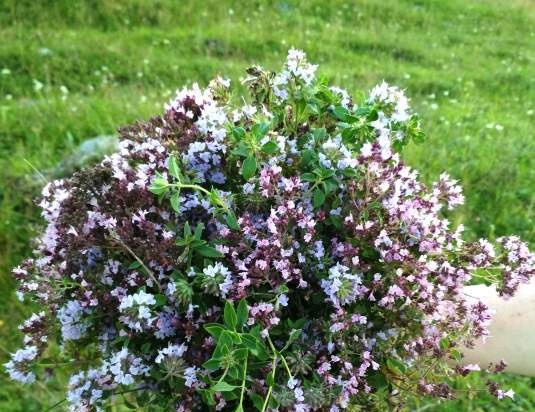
[271, 253]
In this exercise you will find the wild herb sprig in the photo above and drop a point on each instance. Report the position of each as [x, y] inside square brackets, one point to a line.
[275, 255]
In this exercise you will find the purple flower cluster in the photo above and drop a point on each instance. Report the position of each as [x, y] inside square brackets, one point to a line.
[296, 209]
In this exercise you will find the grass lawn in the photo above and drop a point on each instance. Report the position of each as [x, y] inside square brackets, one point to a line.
[74, 70]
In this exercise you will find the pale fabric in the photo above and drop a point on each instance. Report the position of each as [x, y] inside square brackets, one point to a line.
[512, 331]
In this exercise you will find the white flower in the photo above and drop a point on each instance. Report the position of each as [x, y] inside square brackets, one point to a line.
[346, 99]
[137, 308]
[394, 99]
[171, 351]
[223, 273]
[342, 286]
[283, 300]
[19, 360]
[71, 317]
[190, 374]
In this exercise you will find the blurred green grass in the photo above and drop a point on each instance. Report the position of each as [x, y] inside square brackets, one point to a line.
[73, 70]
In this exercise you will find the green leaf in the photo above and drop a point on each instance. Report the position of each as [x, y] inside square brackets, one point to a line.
[234, 372]
[134, 265]
[208, 251]
[215, 198]
[161, 300]
[214, 329]
[240, 353]
[307, 156]
[146, 347]
[318, 198]
[223, 387]
[196, 243]
[419, 137]
[330, 185]
[254, 345]
[172, 165]
[257, 400]
[313, 108]
[260, 130]
[273, 403]
[456, 354]
[187, 229]
[238, 133]
[283, 289]
[232, 222]
[378, 380]
[212, 364]
[270, 147]
[336, 221]
[236, 338]
[158, 191]
[198, 231]
[325, 173]
[348, 134]
[207, 396]
[128, 404]
[239, 409]
[270, 380]
[249, 167]
[230, 396]
[319, 134]
[159, 186]
[396, 366]
[341, 113]
[224, 342]
[242, 312]
[362, 111]
[372, 115]
[308, 177]
[230, 316]
[241, 150]
[175, 201]
[444, 343]
[225, 338]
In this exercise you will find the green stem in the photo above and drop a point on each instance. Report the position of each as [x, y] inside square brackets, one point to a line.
[180, 185]
[276, 356]
[224, 374]
[270, 389]
[52, 365]
[286, 366]
[114, 393]
[283, 360]
[55, 405]
[189, 186]
[243, 382]
[149, 272]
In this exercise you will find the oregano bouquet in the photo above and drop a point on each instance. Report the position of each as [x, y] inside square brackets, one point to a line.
[268, 253]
